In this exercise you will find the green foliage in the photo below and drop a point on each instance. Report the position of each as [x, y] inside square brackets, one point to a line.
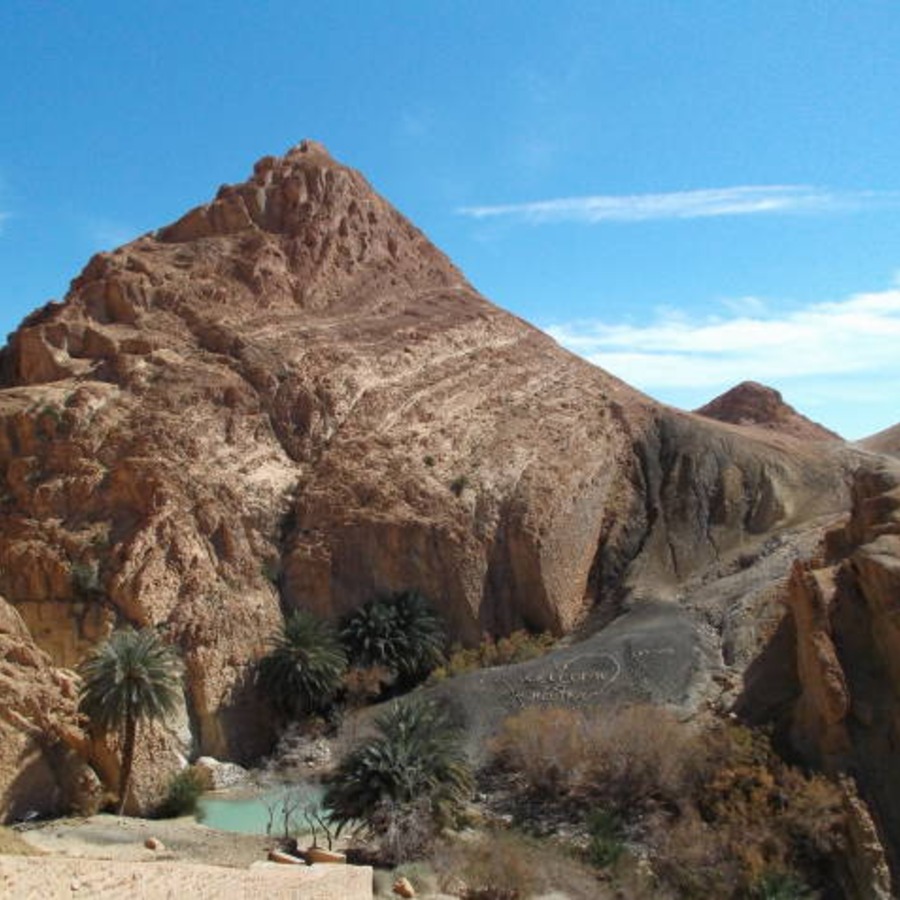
[132, 673]
[131, 677]
[302, 672]
[371, 635]
[185, 790]
[401, 633]
[459, 484]
[781, 886]
[606, 835]
[271, 570]
[415, 757]
[86, 577]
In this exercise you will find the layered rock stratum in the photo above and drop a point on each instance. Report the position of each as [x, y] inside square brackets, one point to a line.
[290, 398]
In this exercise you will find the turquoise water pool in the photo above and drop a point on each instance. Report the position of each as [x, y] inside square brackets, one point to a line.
[252, 811]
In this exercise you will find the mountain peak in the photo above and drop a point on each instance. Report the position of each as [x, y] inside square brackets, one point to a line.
[752, 403]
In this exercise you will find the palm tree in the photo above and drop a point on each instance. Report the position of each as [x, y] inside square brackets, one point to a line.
[416, 757]
[424, 635]
[131, 677]
[303, 671]
[400, 632]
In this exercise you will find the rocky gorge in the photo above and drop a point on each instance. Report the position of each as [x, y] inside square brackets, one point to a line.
[289, 398]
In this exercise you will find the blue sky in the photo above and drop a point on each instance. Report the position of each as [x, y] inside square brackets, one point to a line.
[688, 193]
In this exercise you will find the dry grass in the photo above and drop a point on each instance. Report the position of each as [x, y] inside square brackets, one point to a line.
[504, 865]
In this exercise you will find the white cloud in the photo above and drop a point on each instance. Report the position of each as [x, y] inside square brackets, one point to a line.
[742, 200]
[857, 336]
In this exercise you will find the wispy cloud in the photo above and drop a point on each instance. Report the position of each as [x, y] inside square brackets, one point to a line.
[856, 336]
[3, 217]
[107, 234]
[742, 200]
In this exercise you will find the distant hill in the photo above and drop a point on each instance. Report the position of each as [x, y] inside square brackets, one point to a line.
[751, 403]
[887, 441]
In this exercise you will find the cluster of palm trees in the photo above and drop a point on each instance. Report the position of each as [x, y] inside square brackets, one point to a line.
[304, 669]
[136, 677]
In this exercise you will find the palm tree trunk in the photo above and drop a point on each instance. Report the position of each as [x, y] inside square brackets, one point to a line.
[127, 760]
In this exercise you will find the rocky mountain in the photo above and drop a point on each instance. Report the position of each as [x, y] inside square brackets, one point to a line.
[290, 398]
[754, 404]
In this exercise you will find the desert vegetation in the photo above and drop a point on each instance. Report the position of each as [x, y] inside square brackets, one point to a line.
[706, 812]
[520, 646]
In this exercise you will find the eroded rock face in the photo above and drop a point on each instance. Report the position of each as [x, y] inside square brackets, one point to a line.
[841, 703]
[290, 398]
[42, 747]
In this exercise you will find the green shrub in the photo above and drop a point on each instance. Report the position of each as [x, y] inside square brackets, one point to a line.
[185, 790]
[606, 835]
[459, 484]
[781, 886]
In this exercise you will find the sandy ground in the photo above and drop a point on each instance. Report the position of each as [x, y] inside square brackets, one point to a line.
[122, 838]
[104, 856]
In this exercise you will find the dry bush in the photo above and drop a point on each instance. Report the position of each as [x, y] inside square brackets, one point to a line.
[504, 864]
[364, 684]
[406, 831]
[548, 747]
[640, 756]
[519, 647]
[622, 758]
[749, 815]
[717, 809]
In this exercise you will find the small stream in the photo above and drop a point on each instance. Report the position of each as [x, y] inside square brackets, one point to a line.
[256, 810]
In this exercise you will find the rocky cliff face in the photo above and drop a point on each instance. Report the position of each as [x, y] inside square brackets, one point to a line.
[290, 398]
[846, 612]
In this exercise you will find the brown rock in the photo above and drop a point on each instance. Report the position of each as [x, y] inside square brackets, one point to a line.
[403, 888]
[844, 708]
[154, 843]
